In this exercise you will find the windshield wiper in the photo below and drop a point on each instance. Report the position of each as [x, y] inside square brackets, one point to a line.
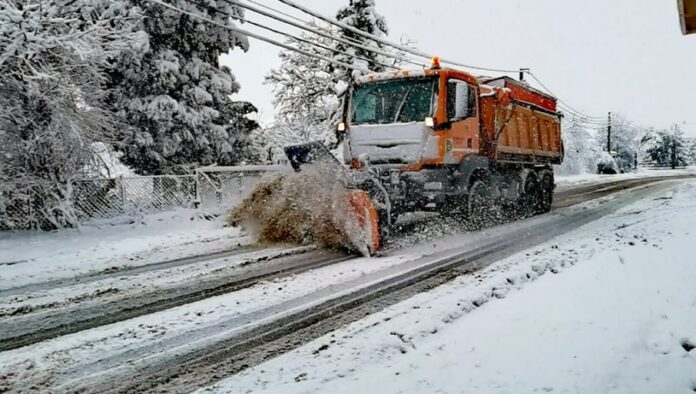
[401, 105]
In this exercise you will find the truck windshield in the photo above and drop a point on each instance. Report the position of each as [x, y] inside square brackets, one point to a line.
[395, 101]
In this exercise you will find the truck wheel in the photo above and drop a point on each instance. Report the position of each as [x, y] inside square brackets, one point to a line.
[531, 196]
[479, 205]
[546, 191]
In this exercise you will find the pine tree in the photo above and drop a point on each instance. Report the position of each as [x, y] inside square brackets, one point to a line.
[360, 14]
[176, 97]
[53, 57]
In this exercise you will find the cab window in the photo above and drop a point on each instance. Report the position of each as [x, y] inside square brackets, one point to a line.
[460, 101]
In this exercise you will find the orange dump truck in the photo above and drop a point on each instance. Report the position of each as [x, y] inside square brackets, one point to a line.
[441, 139]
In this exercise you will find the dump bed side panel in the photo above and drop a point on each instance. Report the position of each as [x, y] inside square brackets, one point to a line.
[521, 133]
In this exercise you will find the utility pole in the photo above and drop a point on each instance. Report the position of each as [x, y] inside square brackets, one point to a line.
[522, 71]
[674, 147]
[609, 135]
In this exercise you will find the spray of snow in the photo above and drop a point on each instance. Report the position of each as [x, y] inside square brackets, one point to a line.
[307, 207]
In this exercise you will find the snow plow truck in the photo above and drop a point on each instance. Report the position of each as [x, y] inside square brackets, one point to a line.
[440, 139]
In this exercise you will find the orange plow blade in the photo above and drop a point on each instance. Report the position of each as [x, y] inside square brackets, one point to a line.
[367, 218]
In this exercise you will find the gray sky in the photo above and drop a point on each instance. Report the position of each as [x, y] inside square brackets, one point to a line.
[624, 56]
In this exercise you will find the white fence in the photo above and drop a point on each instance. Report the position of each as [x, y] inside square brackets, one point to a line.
[212, 189]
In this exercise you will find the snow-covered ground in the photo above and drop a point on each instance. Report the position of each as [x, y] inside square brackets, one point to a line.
[568, 181]
[608, 308]
[32, 256]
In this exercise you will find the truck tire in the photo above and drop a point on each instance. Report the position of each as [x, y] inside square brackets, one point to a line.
[531, 196]
[479, 205]
[546, 194]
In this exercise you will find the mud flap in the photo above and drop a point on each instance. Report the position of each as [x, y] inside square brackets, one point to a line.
[367, 218]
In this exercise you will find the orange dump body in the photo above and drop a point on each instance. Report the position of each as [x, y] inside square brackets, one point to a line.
[527, 130]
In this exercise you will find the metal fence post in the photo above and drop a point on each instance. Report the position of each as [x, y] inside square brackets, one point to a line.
[242, 185]
[197, 186]
[123, 192]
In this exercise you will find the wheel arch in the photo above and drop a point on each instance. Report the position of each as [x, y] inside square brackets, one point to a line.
[471, 169]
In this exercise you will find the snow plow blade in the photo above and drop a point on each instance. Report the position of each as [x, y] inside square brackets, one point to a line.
[311, 152]
[359, 200]
[367, 219]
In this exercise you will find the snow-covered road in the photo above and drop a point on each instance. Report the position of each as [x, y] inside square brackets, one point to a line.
[608, 308]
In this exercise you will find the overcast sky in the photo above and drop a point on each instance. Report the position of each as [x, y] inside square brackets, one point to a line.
[626, 56]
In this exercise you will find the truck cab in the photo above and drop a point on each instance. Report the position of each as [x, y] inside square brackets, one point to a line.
[412, 119]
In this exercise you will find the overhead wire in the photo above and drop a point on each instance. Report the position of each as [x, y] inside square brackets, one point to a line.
[561, 102]
[289, 35]
[326, 35]
[288, 15]
[259, 37]
[383, 41]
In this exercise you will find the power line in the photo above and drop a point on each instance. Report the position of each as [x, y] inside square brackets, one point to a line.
[294, 37]
[260, 37]
[384, 41]
[568, 107]
[323, 34]
[279, 12]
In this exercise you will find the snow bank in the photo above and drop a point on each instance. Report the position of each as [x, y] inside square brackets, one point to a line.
[37, 256]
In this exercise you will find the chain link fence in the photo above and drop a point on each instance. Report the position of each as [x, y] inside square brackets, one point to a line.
[212, 189]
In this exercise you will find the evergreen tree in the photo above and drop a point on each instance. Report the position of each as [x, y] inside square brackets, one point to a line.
[360, 14]
[176, 97]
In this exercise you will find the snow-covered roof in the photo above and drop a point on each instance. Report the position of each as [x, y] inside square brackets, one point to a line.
[389, 75]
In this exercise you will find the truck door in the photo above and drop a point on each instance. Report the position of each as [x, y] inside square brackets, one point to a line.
[462, 113]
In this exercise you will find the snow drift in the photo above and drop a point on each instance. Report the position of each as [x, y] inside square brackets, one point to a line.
[307, 207]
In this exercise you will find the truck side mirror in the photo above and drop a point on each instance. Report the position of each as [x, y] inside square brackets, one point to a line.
[435, 125]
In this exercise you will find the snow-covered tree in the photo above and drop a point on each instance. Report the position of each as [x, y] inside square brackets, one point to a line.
[305, 93]
[582, 150]
[308, 90]
[53, 59]
[360, 14]
[667, 148]
[176, 97]
[625, 141]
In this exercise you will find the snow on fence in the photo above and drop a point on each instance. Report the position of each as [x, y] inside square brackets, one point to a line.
[213, 189]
